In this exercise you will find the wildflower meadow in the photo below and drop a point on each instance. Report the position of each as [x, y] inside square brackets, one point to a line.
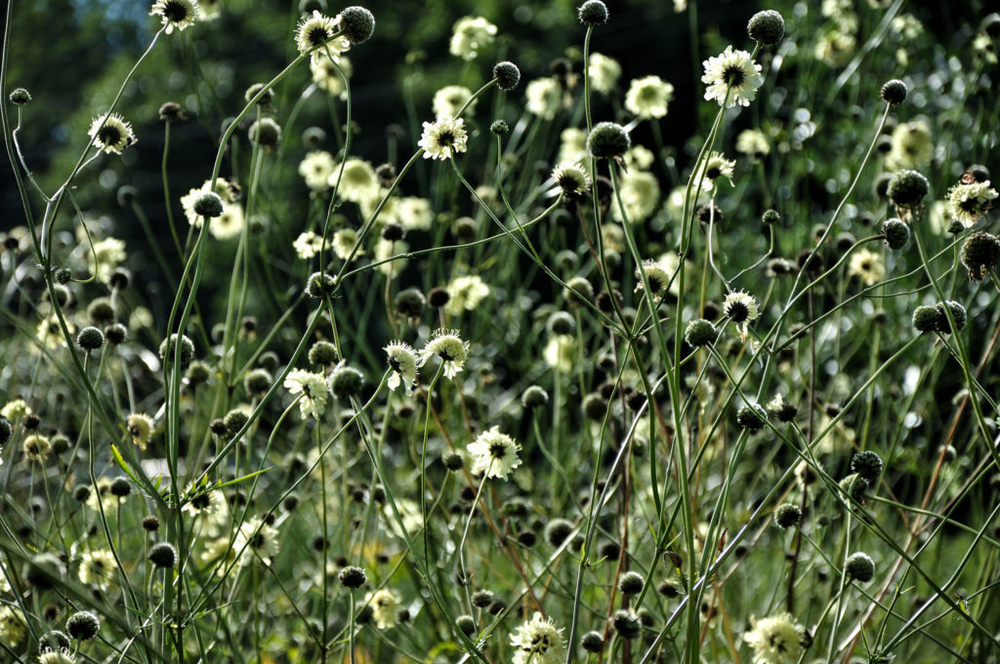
[514, 331]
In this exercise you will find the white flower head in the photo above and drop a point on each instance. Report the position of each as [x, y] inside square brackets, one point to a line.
[175, 14]
[560, 352]
[775, 640]
[111, 133]
[324, 72]
[403, 362]
[98, 569]
[140, 427]
[385, 607]
[414, 213]
[715, 167]
[537, 642]
[640, 194]
[449, 99]
[572, 179]
[867, 266]
[494, 454]
[968, 201]
[358, 182]
[658, 276]
[307, 245]
[467, 292]
[603, 72]
[314, 391]
[444, 138]
[648, 97]
[316, 168]
[108, 254]
[256, 540]
[741, 308]
[315, 31]
[732, 77]
[753, 143]
[545, 97]
[344, 241]
[472, 34]
[447, 345]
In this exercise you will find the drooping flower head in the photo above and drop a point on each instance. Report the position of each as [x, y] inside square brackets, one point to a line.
[732, 78]
[715, 167]
[775, 640]
[444, 138]
[140, 427]
[494, 454]
[537, 642]
[572, 179]
[175, 14]
[449, 99]
[98, 569]
[403, 362]
[741, 308]
[447, 345]
[314, 391]
[111, 133]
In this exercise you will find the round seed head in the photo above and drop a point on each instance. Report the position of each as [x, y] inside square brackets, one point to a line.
[352, 577]
[766, 27]
[787, 515]
[593, 12]
[507, 75]
[208, 204]
[163, 555]
[357, 23]
[893, 92]
[608, 140]
[83, 625]
[90, 339]
[631, 583]
[867, 464]
[700, 332]
[860, 566]
[896, 232]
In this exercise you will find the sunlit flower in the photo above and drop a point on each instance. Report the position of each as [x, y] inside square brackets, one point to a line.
[12, 627]
[640, 193]
[867, 266]
[256, 541]
[307, 245]
[344, 241]
[111, 133]
[740, 308]
[753, 143]
[573, 146]
[208, 508]
[775, 640]
[316, 168]
[572, 179]
[472, 34]
[100, 494]
[61, 656]
[657, 275]
[444, 138]
[603, 72]
[313, 389]
[325, 74]
[108, 254]
[537, 642]
[385, 607]
[912, 146]
[545, 97]
[14, 410]
[403, 362]
[140, 427]
[175, 14]
[49, 332]
[449, 99]
[638, 158]
[715, 167]
[315, 31]
[969, 201]
[494, 454]
[448, 346]
[835, 47]
[648, 97]
[229, 224]
[732, 77]
[414, 213]
[467, 292]
[358, 181]
[560, 352]
[395, 250]
[36, 448]
[98, 568]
